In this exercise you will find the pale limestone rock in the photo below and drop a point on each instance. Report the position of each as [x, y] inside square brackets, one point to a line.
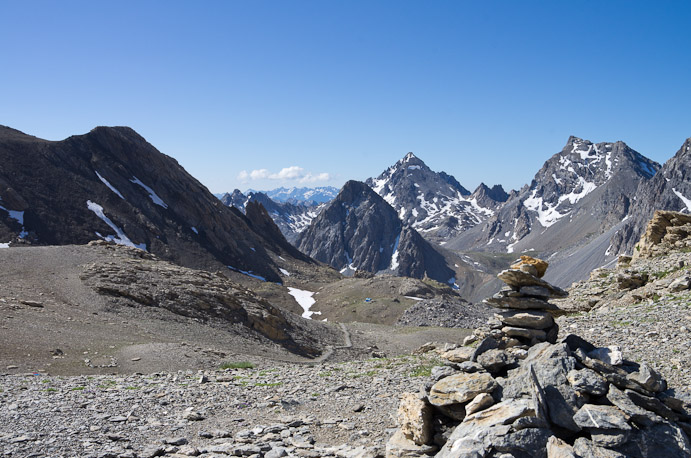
[481, 401]
[461, 388]
[414, 418]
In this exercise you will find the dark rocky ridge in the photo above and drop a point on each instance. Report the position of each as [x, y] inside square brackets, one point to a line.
[178, 220]
[359, 230]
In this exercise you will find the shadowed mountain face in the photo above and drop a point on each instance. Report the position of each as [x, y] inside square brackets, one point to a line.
[112, 184]
[434, 204]
[669, 189]
[358, 230]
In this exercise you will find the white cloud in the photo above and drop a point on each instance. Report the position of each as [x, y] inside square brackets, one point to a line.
[292, 173]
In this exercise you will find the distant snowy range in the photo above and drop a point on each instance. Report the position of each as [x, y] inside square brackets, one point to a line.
[587, 204]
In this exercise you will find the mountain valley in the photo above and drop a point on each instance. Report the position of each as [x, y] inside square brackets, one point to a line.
[143, 316]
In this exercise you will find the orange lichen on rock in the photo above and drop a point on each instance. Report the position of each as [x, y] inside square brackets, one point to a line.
[539, 264]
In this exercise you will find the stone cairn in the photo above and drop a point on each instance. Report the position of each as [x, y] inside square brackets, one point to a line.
[513, 391]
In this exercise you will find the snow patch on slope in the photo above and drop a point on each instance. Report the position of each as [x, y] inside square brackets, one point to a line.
[154, 197]
[687, 202]
[120, 238]
[110, 186]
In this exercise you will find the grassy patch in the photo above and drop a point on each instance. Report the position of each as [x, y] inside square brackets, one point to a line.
[620, 323]
[77, 388]
[50, 390]
[325, 374]
[269, 384]
[237, 365]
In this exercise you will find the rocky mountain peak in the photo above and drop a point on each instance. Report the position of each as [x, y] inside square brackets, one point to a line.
[435, 204]
[359, 230]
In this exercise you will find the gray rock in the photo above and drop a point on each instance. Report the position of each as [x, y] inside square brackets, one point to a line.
[525, 333]
[525, 318]
[535, 291]
[519, 303]
[488, 343]
[276, 452]
[660, 440]
[648, 378]
[609, 438]
[470, 367]
[587, 381]
[496, 360]
[652, 404]
[637, 414]
[601, 417]
[585, 448]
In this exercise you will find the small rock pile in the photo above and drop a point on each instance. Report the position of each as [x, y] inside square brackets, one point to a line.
[523, 394]
[527, 316]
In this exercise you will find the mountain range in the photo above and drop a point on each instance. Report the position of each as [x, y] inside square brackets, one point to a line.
[291, 217]
[588, 203]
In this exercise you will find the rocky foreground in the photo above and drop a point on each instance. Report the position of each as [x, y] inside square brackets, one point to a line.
[271, 410]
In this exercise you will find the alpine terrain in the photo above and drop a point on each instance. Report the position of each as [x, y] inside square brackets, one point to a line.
[358, 230]
[434, 204]
[573, 205]
[291, 217]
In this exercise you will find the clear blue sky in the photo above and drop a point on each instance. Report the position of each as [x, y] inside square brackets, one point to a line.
[484, 90]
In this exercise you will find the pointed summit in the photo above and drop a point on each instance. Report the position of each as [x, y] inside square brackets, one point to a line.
[435, 204]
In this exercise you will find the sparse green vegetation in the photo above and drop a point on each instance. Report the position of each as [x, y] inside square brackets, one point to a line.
[50, 390]
[237, 365]
[269, 384]
[77, 388]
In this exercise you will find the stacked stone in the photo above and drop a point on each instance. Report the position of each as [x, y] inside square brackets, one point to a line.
[548, 400]
[526, 317]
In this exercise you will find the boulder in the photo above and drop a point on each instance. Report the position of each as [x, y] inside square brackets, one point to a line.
[461, 388]
[415, 419]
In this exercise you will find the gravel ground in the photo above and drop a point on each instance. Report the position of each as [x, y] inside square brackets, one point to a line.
[337, 409]
[651, 323]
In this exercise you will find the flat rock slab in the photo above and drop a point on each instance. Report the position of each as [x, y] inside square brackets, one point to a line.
[506, 301]
[525, 319]
[461, 388]
[518, 278]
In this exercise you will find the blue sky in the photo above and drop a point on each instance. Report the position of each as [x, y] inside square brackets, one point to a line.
[319, 92]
